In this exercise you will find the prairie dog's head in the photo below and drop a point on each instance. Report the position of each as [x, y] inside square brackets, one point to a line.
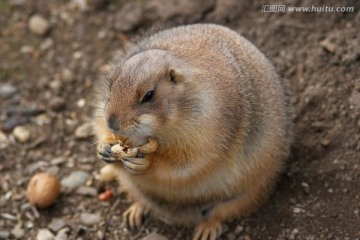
[149, 91]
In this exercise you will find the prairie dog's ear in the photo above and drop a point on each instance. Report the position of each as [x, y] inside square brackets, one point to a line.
[175, 76]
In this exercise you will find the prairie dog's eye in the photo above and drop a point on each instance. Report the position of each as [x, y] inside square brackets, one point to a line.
[148, 96]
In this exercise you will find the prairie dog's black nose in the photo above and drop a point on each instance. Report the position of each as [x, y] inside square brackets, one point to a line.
[113, 123]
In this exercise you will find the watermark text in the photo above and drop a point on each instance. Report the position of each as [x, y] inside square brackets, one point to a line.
[310, 9]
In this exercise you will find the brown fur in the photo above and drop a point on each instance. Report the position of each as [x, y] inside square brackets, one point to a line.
[222, 128]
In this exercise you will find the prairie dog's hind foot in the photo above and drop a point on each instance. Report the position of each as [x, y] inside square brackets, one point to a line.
[208, 230]
[135, 214]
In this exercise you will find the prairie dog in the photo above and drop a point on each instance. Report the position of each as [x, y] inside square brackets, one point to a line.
[217, 110]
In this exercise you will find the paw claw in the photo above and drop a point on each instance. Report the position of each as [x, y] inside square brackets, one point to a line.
[208, 230]
[133, 216]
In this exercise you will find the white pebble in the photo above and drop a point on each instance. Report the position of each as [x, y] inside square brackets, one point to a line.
[81, 103]
[44, 234]
[21, 134]
[38, 25]
[7, 90]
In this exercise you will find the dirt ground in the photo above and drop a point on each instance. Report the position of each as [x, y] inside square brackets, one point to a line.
[46, 82]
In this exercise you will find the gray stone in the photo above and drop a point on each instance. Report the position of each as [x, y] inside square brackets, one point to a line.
[89, 219]
[18, 232]
[56, 224]
[4, 234]
[62, 234]
[74, 180]
[87, 191]
[239, 229]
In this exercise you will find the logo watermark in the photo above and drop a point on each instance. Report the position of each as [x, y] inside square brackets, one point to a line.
[310, 9]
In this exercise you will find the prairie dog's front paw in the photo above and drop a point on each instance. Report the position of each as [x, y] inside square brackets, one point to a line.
[149, 147]
[136, 165]
[111, 153]
[104, 152]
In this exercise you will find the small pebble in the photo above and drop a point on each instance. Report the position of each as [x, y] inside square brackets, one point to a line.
[328, 45]
[27, 49]
[21, 134]
[354, 99]
[7, 90]
[44, 234]
[55, 85]
[86, 191]
[89, 219]
[38, 25]
[239, 229]
[293, 234]
[46, 44]
[54, 170]
[81, 5]
[8, 216]
[84, 131]
[58, 161]
[62, 234]
[74, 180]
[77, 55]
[4, 234]
[154, 236]
[56, 224]
[306, 187]
[67, 75]
[297, 210]
[81, 103]
[18, 232]
[4, 140]
[325, 142]
[231, 236]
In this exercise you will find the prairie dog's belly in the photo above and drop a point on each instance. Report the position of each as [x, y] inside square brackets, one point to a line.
[189, 184]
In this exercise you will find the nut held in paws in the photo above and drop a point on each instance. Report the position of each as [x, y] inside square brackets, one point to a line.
[43, 190]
